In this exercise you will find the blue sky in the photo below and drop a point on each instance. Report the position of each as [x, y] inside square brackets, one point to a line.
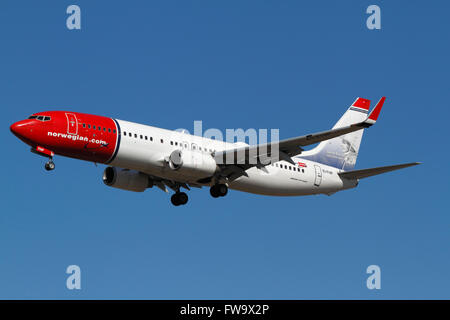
[290, 65]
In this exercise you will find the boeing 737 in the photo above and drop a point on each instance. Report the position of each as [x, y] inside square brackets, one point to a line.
[141, 156]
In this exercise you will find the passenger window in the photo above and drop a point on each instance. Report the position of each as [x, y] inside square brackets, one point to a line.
[109, 130]
[303, 170]
[146, 138]
[171, 143]
[151, 138]
[176, 143]
[124, 133]
[141, 136]
[84, 125]
[89, 126]
[99, 128]
[114, 131]
[135, 135]
[162, 141]
[93, 127]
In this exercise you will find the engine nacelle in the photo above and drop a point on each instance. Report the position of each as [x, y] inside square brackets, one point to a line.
[192, 164]
[125, 179]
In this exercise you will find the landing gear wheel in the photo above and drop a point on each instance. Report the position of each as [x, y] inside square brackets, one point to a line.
[223, 189]
[174, 199]
[179, 198]
[214, 191]
[218, 190]
[50, 165]
[183, 198]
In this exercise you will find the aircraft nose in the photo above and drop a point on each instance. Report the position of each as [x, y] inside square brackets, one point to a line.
[15, 128]
[21, 129]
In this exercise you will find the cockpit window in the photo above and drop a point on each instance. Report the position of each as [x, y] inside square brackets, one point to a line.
[40, 118]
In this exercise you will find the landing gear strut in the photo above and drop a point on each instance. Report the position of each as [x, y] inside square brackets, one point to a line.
[50, 165]
[179, 198]
[218, 190]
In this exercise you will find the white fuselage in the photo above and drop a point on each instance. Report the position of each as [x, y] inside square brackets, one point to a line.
[146, 148]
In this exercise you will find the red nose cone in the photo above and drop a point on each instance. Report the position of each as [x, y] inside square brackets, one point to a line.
[15, 128]
[22, 129]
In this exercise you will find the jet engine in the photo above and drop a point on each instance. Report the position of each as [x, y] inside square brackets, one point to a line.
[192, 164]
[125, 179]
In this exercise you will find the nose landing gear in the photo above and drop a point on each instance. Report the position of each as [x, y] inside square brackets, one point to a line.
[179, 198]
[50, 165]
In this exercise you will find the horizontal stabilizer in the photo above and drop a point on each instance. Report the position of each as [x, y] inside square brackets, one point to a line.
[364, 173]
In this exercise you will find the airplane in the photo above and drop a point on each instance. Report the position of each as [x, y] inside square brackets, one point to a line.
[141, 156]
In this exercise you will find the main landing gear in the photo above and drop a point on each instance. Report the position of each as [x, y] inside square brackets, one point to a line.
[179, 198]
[218, 190]
[50, 165]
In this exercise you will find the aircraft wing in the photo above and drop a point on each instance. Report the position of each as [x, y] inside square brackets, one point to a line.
[250, 156]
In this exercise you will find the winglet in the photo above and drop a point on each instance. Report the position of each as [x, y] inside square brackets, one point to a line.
[373, 116]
